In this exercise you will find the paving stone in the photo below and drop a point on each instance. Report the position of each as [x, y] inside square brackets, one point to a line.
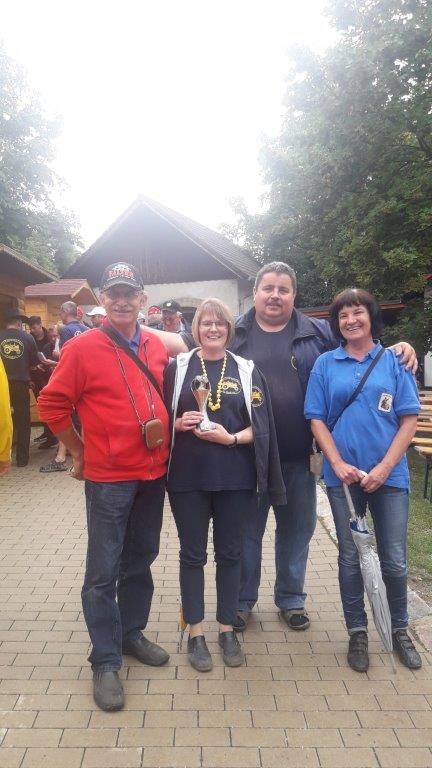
[112, 757]
[289, 758]
[148, 737]
[404, 758]
[341, 758]
[36, 757]
[200, 737]
[230, 757]
[11, 757]
[170, 757]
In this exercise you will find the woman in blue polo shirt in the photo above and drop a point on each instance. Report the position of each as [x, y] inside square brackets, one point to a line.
[371, 435]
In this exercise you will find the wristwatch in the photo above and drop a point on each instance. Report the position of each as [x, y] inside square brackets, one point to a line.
[234, 444]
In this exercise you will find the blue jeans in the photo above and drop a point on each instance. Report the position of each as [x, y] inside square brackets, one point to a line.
[295, 525]
[389, 509]
[124, 521]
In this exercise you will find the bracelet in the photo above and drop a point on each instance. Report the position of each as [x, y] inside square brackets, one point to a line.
[234, 444]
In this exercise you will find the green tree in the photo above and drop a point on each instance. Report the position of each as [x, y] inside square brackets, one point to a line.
[29, 219]
[350, 176]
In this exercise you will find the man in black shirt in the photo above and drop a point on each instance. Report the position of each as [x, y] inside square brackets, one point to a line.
[19, 354]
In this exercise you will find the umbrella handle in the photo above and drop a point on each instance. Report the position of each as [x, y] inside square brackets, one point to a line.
[348, 497]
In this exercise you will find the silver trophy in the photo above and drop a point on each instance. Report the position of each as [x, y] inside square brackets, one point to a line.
[200, 387]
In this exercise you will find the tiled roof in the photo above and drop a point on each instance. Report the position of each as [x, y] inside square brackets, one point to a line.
[231, 255]
[64, 287]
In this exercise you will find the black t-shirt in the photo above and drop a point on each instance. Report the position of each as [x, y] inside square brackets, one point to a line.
[19, 353]
[272, 354]
[200, 466]
[41, 343]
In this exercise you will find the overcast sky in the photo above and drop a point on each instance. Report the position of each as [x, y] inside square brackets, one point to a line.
[167, 98]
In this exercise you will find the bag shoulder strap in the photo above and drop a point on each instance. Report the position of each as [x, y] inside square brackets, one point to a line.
[360, 385]
[116, 338]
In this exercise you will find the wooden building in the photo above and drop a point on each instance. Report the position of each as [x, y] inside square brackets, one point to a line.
[178, 258]
[16, 272]
[45, 299]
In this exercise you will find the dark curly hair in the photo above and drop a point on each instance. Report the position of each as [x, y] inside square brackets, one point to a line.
[356, 297]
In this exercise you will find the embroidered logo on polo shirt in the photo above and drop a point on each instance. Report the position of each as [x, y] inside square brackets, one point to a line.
[12, 348]
[231, 386]
[385, 402]
[257, 397]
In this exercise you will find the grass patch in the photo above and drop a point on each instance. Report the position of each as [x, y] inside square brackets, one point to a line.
[420, 520]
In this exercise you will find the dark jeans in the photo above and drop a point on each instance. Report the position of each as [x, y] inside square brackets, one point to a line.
[389, 509]
[20, 401]
[295, 525]
[192, 511]
[124, 521]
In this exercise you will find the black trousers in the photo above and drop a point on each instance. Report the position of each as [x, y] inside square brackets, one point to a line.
[20, 401]
[192, 511]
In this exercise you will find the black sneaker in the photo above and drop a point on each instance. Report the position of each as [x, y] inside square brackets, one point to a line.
[358, 657]
[108, 691]
[232, 653]
[145, 651]
[296, 619]
[406, 650]
[198, 654]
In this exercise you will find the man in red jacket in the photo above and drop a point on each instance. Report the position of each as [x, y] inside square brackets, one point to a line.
[122, 459]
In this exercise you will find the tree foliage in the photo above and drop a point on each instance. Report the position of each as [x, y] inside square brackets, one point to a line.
[29, 219]
[350, 175]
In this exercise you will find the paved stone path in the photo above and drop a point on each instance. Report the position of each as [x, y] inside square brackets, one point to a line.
[295, 703]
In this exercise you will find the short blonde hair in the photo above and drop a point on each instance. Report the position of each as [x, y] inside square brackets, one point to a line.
[220, 311]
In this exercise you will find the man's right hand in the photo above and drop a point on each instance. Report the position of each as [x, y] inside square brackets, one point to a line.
[77, 469]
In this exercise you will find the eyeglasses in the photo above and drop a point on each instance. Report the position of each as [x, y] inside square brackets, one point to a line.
[207, 324]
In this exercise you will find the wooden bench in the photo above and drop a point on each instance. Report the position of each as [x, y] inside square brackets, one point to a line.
[426, 452]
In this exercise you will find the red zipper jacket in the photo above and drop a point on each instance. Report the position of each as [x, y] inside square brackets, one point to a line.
[89, 378]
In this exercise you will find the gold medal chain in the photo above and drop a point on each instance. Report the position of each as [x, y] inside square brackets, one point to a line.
[215, 406]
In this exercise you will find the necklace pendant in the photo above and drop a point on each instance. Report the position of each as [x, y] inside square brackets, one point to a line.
[214, 407]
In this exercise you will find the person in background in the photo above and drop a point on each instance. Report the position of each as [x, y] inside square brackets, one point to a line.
[72, 325]
[154, 316]
[6, 428]
[364, 445]
[172, 318]
[71, 328]
[20, 357]
[97, 316]
[123, 461]
[40, 376]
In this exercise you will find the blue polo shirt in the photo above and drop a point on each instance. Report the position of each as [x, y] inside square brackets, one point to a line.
[366, 429]
[134, 342]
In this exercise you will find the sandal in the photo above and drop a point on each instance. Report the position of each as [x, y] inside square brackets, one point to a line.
[54, 466]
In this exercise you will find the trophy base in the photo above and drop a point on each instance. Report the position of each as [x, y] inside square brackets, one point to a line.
[206, 426]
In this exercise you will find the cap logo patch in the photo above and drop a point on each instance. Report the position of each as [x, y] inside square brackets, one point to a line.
[121, 270]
